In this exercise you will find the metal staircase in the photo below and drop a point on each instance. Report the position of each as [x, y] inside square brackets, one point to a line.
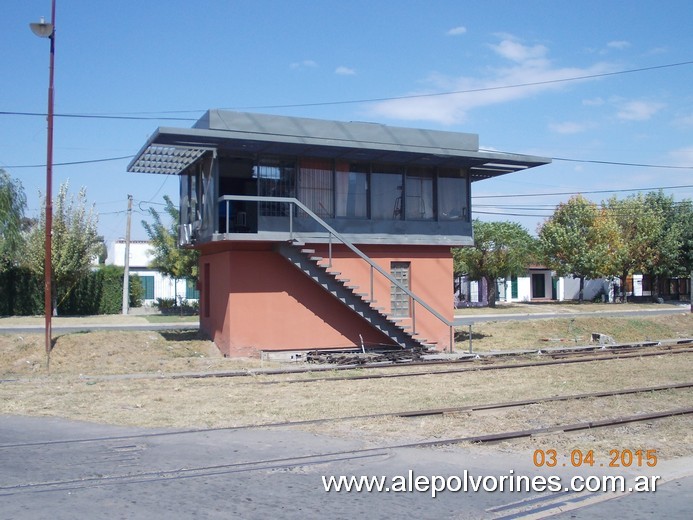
[331, 281]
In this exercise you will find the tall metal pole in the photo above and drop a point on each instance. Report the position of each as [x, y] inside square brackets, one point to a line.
[126, 263]
[49, 194]
[47, 30]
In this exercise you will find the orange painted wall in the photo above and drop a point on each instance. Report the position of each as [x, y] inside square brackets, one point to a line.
[431, 274]
[259, 301]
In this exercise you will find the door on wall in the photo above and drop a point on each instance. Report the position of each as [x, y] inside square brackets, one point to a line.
[513, 288]
[538, 285]
[399, 299]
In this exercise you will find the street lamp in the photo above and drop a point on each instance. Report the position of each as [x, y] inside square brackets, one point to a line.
[47, 30]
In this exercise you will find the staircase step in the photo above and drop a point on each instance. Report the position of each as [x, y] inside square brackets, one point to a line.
[308, 251]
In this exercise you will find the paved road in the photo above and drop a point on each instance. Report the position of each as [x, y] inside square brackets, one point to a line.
[71, 329]
[58, 469]
[461, 320]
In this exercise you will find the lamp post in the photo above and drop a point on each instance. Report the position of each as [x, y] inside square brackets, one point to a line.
[47, 30]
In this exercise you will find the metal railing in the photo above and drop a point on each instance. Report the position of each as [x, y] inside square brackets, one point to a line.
[331, 232]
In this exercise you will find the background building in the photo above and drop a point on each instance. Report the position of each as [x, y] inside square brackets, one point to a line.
[155, 284]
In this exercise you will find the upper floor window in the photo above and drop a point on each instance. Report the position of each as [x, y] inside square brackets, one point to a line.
[276, 178]
[419, 202]
[351, 189]
[316, 186]
[453, 192]
[386, 192]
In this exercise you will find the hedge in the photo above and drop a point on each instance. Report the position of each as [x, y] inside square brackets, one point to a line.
[100, 292]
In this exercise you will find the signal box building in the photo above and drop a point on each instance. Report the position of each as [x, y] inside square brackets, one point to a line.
[320, 234]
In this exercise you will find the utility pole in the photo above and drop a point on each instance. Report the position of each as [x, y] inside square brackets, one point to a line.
[47, 30]
[126, 273]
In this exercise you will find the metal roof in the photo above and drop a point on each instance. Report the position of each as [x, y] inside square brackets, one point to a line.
[172, 150]
[166, 159]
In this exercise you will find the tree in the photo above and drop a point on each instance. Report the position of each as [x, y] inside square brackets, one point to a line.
[581, 240]
[501, 249]
[12, 206]
[75, 242]
[169, 258]
[650, 235]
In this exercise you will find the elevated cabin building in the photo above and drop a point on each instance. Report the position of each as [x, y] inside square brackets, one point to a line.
[322, 234]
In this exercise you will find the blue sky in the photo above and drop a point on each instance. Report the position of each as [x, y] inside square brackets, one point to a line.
[449, 65]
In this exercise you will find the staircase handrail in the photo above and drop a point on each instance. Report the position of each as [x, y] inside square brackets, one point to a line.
[341, 238]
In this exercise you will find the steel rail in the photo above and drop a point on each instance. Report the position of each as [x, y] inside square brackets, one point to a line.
[405, 414]
[320, 458]
[561, 361]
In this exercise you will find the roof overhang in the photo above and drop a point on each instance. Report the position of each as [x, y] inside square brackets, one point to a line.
[172, 150]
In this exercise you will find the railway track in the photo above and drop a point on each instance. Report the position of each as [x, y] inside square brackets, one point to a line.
[286, 463]
[402, 414]
[471, 362]
[488, 363]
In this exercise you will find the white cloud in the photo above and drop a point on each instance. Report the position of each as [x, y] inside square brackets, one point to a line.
[305, 64]
[682, 156]
[515, 51]
[345, 71]
[639, 110]
[685, 120]
[594, 102]
[456, 31]
[448, 100]
[619, 44]
[568, 127]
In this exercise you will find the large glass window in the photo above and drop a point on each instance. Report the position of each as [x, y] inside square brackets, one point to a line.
[351, 193]
[452, 195]
[316, 186]
[386, 192]
[276, 178]
[419, 194]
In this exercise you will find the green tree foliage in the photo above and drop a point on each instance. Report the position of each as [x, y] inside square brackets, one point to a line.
[650, 235]
[676, 258]
[12, 206]
[75, 242]
[101, 292]
[684, 216]
[169, 258]
[580, 240]
[501, 249]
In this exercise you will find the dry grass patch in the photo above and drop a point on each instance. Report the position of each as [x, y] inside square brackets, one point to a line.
[226, 402]
[105, 397]
[115, 352]
[514, 335]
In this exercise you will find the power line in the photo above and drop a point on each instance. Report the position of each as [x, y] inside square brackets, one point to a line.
[97, 116]
[356, 101]
[594, 161]
[72, 163]
[581, 192]
[470, 91]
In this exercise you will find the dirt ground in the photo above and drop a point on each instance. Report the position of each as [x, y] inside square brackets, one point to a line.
[91, 378]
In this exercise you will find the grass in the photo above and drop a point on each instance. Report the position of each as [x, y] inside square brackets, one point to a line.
[110, 395]
[157, 318]
[515, 335]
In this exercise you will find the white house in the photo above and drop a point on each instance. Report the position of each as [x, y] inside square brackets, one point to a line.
[541, 284]
[155, 284]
